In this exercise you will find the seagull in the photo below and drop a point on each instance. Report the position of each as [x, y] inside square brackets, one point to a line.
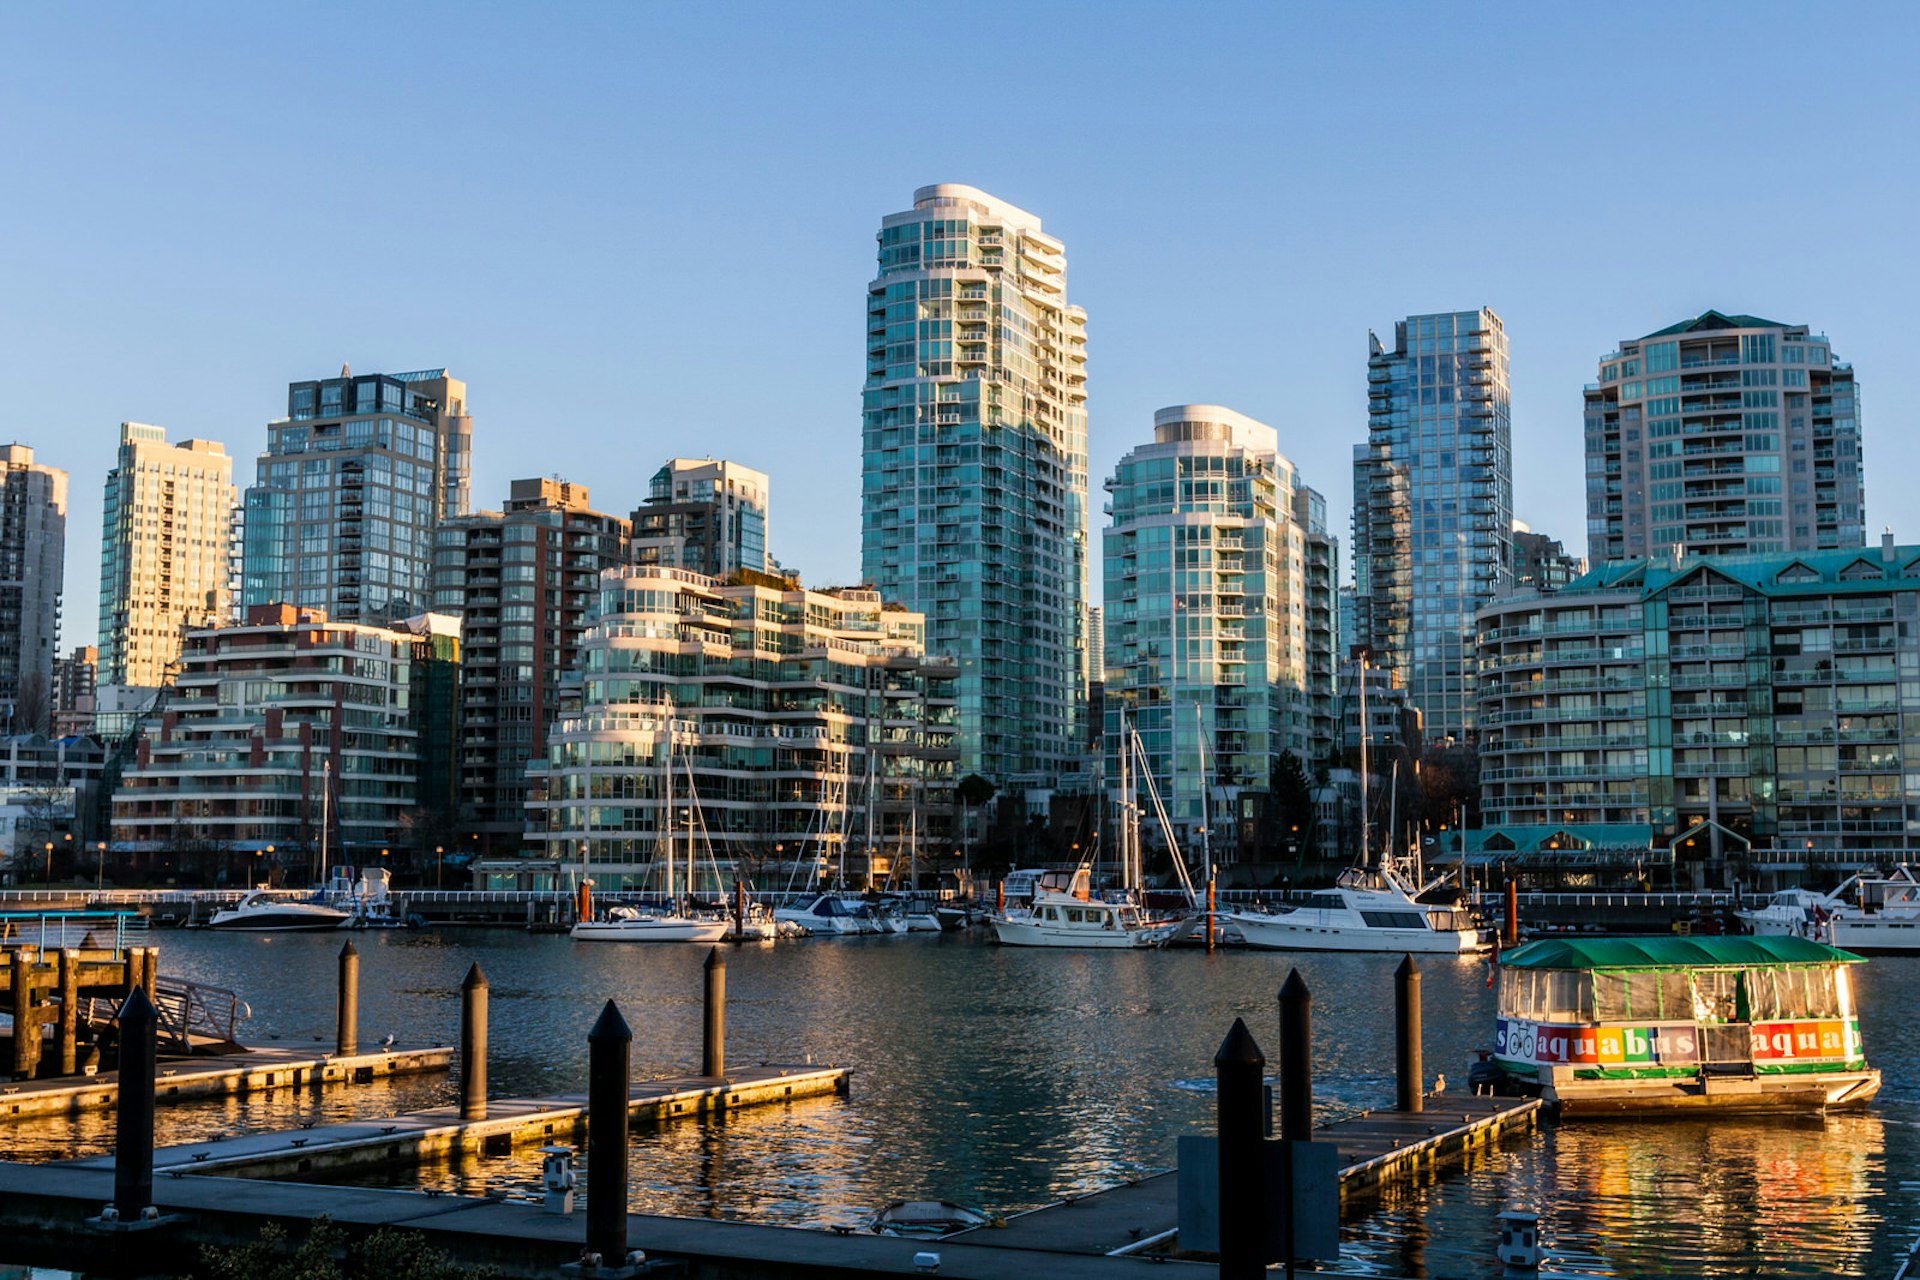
[386, 1041]
[1439, 1085]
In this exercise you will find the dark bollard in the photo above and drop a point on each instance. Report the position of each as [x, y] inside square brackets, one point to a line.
[1240, 1107]
[1406, 1035]
[713, 1037]
[473, 1045]
[1296, 1059]
[1510, 936]
[609, 1046]
[133, 1141]
[347, 1008]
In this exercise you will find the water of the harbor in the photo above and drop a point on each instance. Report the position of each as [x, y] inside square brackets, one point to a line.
[1006, 1078]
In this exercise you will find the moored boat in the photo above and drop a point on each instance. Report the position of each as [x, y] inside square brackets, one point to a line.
[1613, 1026]
[1366, 910]
[263, 910]
[1063, 920]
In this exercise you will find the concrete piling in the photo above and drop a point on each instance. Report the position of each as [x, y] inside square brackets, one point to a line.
[609, 1051]
[150, 974]
[347, 1005]
[135, 956]
[1240, 1107]
[1408, 1070]
[1296, 1059]
[133, 1139]
[713, 1037]
[473, 1045]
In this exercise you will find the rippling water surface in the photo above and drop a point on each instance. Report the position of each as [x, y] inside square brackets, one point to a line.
[1006, 1078]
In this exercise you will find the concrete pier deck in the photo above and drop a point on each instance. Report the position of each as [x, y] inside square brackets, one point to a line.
[420, 1137]
[192, 1079]
[1376, 1148]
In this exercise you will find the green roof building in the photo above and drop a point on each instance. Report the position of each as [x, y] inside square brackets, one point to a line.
[1760, 713]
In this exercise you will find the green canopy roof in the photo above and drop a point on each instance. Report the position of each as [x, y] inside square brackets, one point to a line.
[1670, 952]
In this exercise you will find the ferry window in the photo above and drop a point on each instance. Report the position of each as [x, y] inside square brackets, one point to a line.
[1717, 995]
[1610, 1000]
[1676, 996]
[1563, 995]
[1793, 993]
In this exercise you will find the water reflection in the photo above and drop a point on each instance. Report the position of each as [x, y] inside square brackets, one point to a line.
[1007, 1077]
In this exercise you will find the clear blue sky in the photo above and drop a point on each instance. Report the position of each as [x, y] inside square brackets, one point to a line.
[640, 230]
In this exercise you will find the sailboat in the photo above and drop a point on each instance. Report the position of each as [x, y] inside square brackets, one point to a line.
[631, 924]
[1371, 907]
[1074, 917]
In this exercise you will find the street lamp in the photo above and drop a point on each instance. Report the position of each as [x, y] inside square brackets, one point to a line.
[100, 872]
[49, 862]
[439, 863]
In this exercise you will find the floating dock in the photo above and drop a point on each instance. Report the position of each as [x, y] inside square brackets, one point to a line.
[1376, 1148]
[250, 1071]
[422, 1137]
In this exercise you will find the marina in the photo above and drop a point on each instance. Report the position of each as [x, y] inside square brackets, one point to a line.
[1060, 1074]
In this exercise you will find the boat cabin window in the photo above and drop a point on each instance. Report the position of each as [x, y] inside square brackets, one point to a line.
[1792, 993]
[1050, 913]
[1547, 995]
[1327, 901]
[1393, 919]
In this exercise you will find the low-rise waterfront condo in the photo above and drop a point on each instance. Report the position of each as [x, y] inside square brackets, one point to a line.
[353, 483]
[167, 532]
[1723, 435]
[974, 469]
[263, 713]
[807, 731]
[1433, 506]
[1756, 712]
[524, 582]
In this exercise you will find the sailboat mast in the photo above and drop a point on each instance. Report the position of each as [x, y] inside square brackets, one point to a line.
[668, 770]
[1364, 855]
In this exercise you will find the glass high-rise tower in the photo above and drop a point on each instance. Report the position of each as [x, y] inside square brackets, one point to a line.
[354, 480]
[1723, 435]
[974, 468]
[1433, 506]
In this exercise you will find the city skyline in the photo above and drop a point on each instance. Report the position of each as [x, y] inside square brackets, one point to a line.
[582, 257]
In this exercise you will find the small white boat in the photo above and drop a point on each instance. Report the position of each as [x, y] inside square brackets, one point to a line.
[1884, 915]
[830, 914]
[263, 910]
[1366, 910]
[1062, 920]
[627, 924]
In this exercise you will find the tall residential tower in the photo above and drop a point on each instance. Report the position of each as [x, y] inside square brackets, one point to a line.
[33, 558]
[1433, 506]
[165, 540]
[1723, 435]
[352, 484]
[1218, 627]
[704, 514]
[974, 468]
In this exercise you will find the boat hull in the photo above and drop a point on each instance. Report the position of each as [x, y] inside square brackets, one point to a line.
[1030, 933]
[278, 921]
[1876, 934]
[1282, 933]
[652, 929]
[1723, 1095]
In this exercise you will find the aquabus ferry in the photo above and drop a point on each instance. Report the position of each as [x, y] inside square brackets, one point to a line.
[1614, 1026]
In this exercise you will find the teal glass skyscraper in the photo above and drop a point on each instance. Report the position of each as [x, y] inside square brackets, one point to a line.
[974, 469]
[1433, 506]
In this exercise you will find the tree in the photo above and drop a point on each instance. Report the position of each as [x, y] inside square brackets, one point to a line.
[1292, 793]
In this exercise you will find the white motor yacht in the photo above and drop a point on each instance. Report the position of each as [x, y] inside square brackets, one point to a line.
[1063, 920]
[1366, 910]
[830, 914]
[1883, 915]
[1791, 913]
[263, 909]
